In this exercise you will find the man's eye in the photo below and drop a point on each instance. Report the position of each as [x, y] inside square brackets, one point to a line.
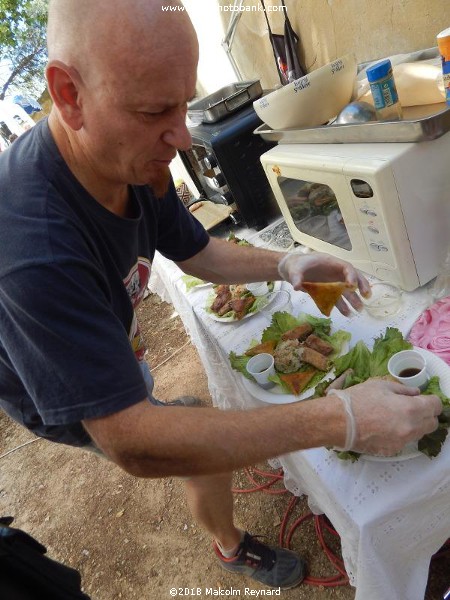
[148, 114]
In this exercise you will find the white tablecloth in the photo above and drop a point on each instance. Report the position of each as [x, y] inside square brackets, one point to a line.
[392, 516]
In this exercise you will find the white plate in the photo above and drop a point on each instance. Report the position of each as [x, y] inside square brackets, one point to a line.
[214, 317]
[435, 366]
[276, 395]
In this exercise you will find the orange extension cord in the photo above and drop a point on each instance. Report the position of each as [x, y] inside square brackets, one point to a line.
[321, 524]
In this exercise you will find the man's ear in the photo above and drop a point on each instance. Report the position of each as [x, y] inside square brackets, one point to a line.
[63, 84]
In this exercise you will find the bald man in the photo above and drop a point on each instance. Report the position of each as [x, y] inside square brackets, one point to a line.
[87, 198]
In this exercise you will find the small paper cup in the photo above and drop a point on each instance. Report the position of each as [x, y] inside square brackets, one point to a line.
[261, 367]
[260, 288]
[409, 367]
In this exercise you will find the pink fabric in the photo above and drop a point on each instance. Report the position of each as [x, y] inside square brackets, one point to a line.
[431, 331]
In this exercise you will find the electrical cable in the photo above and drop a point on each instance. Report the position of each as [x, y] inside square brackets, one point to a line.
[319, 522]
[171, 356]
[21, 446]
[272, 479]
[322, 525]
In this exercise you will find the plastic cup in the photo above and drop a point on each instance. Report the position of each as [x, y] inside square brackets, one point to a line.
[409, 367]
[385, 300]
[279, 301]
[261, 367]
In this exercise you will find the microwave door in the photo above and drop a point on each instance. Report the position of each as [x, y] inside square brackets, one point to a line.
[315, 211]
[319, 211]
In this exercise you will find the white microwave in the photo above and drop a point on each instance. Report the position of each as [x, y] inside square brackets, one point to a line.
[383, 207]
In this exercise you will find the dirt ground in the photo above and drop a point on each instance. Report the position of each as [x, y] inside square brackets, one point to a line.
[133, 538]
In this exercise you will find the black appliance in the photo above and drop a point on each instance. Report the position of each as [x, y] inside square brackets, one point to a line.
[225, 167]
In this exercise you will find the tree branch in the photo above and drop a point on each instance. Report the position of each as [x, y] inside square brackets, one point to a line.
[19, 68]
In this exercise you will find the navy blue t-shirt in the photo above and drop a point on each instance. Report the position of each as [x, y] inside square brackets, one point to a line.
[71, 276]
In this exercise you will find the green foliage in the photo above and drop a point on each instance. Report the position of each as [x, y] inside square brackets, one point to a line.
[23, 43]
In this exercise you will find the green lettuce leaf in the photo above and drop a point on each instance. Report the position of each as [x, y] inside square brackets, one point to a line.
[240, 242]
[281, 322]
[383, 348]
[366, 363]
[239, 363]
[348, 455]
[260, 301]
[190, 282]
[284, 321]
[433, 387]
[321, 325]
[358, 359]
[431, 443]
[339, 340]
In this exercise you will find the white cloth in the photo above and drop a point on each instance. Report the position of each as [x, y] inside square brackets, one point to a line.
[392, 516]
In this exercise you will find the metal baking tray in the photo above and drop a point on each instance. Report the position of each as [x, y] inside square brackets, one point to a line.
[418, 129]
[224, 102]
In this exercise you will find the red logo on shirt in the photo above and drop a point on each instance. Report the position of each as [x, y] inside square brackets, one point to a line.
[136, 283]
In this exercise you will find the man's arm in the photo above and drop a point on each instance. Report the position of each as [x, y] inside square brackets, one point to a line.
[152, 441]
[222, 262]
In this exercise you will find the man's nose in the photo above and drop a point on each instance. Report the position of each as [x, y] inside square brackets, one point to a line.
[178, 135]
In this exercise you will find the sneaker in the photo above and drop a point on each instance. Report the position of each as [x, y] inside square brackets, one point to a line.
[185, 401]
[272, 566]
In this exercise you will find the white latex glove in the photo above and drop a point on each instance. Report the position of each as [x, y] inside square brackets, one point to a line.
[383, 416]
[296, 268]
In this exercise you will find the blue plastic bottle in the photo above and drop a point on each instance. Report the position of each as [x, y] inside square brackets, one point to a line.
[384, 92]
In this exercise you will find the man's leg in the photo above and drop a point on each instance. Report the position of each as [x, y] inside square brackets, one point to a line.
[211, 503]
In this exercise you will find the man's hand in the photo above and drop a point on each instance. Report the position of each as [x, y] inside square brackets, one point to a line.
[319, 267]
[386, 416]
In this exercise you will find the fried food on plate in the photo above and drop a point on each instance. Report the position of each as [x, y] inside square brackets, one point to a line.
[297, 382]
[317, 343]
[263, 348]
[314, 358]
[298, 333]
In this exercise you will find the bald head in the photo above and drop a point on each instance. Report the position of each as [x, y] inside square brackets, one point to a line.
[85, 34]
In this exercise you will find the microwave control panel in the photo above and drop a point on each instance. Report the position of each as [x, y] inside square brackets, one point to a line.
[371, 220]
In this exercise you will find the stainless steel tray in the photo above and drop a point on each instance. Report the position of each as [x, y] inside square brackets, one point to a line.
[224, 102]
[410, 129]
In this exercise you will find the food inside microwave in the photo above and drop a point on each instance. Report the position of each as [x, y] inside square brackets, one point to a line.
[315, 210]
[312, 199]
